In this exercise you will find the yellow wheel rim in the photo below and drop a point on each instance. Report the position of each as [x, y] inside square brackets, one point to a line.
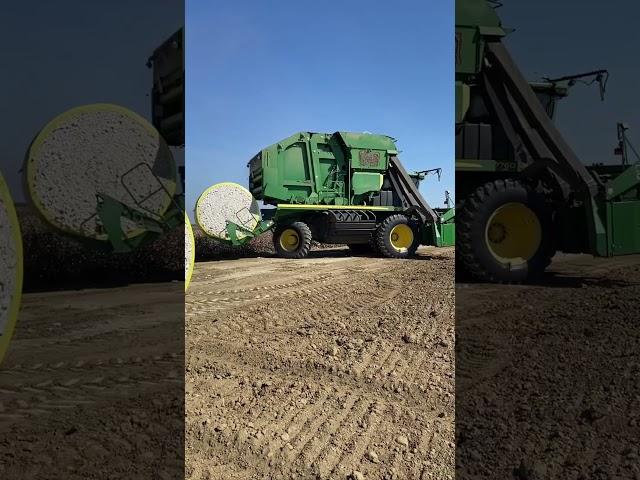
[513, 233]
[289, 240]
[401, 237]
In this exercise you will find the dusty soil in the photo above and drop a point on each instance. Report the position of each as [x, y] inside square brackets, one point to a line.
[53, 261]
[92, 386]
[328, 367]
[547, 376]
[209, 249]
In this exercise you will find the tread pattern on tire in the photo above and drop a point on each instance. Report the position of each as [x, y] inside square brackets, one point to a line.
[466, 253]
[305, 240]
[382, 235]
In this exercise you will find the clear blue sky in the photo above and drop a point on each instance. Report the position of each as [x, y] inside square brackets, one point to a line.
[259, 71]
[71, 53]
[573, 36]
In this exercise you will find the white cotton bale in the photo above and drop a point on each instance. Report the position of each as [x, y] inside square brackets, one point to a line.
[189, 251]
[98, 149]
[10, 266]
[226, 202]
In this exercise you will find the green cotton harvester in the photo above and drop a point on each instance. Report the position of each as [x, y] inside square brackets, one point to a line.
[523, 193]
[340, 188]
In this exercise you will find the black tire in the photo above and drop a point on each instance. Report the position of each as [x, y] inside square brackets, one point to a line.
[373, 246]
[304, 245]
[361, 248]
[383, 238]
[462, 274]
[472, 249]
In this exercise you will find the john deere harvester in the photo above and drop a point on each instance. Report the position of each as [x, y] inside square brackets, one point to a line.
[523, 192]
[340, 188]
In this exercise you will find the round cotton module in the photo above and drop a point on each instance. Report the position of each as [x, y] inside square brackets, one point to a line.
[189, 251]
[223, 203]
[94, 153]
[10, 267]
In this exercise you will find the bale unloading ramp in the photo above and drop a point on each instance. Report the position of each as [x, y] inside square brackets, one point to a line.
[408, 192]
[525, 122]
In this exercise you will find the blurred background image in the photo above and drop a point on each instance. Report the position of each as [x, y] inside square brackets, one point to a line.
[93, 137]
[548, 240]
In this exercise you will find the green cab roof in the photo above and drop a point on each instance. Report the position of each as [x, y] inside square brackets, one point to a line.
[368, 141]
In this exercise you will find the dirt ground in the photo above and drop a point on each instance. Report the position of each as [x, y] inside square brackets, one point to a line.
[328, 367]
[92, 386]
[547, 376]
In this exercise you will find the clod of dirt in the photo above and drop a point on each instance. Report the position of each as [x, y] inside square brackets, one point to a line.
[528, 470]
[402, 440]
[373, 456]
[356, 475]
[590, 415]
[410, 337]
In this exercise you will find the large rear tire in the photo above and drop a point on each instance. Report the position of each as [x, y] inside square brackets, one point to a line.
[504, 233]
[293, 240]
[396, 237]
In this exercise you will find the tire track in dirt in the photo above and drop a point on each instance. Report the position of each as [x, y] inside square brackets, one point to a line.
[50, 389]
[329, 347]
[558, 358]
[91, 383]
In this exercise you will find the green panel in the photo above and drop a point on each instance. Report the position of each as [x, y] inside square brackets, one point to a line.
[294, 164]
[368, 141]
[473, 13]
[312, 168]
[475, 22]
[298, 193]
[286, 171]
[448, 216]
[624, 182]
[167, 97]
[625, 228]
[463, 97]
[474, 165]
[447, 235]
[327, 173]
[439, 235]
[366, 182]
[598, 227]
[442, 233]
[330, 169]
[469, 50]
